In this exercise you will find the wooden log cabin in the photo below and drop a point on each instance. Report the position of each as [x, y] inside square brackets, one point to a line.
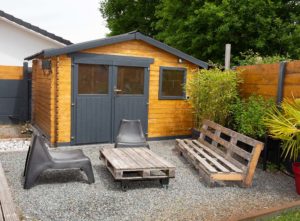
[81, 92]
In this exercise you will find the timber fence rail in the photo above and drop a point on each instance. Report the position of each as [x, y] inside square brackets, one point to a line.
[265, 80]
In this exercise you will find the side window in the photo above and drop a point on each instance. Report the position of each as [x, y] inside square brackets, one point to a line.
[171, 83]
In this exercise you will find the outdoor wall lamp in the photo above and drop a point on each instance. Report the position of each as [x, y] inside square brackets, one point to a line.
[46, 67]
[180, 61]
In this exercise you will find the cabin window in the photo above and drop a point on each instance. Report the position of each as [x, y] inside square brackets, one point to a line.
[171, 83]
[92, 79]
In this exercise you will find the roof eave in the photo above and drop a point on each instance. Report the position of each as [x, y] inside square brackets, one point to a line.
[117, 39]
[34, 56]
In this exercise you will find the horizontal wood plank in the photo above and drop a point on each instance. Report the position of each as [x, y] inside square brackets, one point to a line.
[7, 205]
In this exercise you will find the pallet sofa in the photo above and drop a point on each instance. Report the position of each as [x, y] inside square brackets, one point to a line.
[221, 154]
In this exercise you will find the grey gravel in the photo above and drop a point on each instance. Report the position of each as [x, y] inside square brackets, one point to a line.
[14, 144]
[65, 195]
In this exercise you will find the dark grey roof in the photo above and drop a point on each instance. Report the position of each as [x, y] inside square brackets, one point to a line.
[34, 28]
[116, 39]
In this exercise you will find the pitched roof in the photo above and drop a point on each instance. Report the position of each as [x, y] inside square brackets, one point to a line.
[34, 28]
[135, 35]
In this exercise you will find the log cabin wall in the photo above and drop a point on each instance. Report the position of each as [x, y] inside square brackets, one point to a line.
[63, 100]
[263, 80]
[43, 102]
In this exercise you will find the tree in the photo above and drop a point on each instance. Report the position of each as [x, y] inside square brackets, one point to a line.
[128, 15]
[203, 27]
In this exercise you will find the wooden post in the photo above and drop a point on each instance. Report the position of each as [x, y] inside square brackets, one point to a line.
[280, 86]
[227, 56]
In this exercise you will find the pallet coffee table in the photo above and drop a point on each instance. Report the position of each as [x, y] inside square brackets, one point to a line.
[127, 164]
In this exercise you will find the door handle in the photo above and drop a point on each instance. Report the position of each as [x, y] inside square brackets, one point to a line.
[117, 90]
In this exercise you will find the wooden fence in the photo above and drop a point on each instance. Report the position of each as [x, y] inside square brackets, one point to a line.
[11, 72]
[263, 80]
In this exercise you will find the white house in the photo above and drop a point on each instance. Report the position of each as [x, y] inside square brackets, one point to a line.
[19, 39]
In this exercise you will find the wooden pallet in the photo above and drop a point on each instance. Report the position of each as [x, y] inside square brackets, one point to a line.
[218, 157]
[7, 207]
[136, 164]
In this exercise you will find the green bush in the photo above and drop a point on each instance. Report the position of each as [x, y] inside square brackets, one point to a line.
[212, 93]
[248, 115]
[251, 58]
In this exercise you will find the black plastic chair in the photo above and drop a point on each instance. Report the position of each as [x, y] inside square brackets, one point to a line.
[40, 159]
[131, 134]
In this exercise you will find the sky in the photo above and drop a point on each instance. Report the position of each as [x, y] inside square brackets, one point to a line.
[74, 20]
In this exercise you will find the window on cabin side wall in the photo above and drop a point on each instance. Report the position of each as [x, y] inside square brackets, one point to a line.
[171, 83]
[92, 79]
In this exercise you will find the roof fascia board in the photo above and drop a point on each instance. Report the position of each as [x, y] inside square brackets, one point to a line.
[87, 45]
[117, 39]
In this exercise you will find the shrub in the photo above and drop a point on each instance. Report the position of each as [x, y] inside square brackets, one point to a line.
[248, 115]
[250, 58]
[212, 92]
[284, 124]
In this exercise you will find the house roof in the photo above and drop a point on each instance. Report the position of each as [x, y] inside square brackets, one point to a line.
[34, 28]
[135, 35]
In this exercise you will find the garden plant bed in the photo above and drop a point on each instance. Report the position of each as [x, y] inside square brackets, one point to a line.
[65, 195]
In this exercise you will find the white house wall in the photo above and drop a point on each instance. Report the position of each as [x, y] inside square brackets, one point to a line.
[18, 42]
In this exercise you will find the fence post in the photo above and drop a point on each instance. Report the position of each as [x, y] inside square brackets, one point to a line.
[24, 113]
[280, 86]
[227, 56]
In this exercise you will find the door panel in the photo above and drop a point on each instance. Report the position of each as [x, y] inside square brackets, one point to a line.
[93, 119]
[93, 104]
[131, 95]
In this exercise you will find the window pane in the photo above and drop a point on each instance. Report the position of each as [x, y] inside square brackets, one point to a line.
[130, 80]
[92, 79]
[172, 83]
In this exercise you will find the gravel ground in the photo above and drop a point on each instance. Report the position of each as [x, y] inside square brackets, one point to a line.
[14, 144]
[64, 195]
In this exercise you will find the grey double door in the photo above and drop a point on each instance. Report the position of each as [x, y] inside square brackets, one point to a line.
[103, 96]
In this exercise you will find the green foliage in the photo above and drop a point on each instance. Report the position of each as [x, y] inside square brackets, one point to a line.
[288, 215]
[250, 58]
[284, 124]
[212, 92]
[202, 28]
[126, 15]
[248, 115]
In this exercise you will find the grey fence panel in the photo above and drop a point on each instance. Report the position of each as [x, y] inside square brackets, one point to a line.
[14, 99]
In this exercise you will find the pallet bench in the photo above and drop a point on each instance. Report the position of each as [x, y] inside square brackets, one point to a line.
[221, 154]
[7, 207]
